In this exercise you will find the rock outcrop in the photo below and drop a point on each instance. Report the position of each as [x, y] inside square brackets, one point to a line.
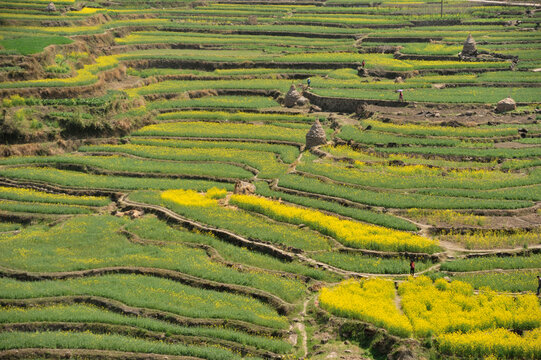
[293, 97]
[244, 188]
[506, 104]
[316, 135]
[470, 47]
[51, 7]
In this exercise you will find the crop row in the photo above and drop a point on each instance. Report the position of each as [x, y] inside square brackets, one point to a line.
[201, 208]
[397, 200]
[72, 246]
[461, 321]
[92, 314]
[127, 164]
[372, 217]
[238, 116]
[223, 130]
[348, 232]
[417, 176]
[265, 162]
[82, 180]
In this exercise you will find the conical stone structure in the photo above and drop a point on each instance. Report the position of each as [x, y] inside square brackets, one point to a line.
[293, 97]
[470, 47]
[316, 135]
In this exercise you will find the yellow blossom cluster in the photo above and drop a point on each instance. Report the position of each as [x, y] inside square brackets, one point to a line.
[348, 232]
[504, 344]
[368, 300]
[442, 307]
[188, 198]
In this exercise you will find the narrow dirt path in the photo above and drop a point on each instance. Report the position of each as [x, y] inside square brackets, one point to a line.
[302, 328]
[398, 303]
[508, 3]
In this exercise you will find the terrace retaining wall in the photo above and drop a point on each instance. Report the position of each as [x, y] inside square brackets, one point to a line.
[347, 105]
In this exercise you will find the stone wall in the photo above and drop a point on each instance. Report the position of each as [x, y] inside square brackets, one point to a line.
[347, 105]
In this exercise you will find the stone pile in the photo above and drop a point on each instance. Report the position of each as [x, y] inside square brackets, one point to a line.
[470, 47]
[293, 97]
[316, 135]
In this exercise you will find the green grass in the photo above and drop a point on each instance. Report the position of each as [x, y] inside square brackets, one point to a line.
[29, 195]
[73, 340]
[467, 95]
[493, 262]
[287, 153]
[242, 223]
[154, 293]
[369, 264]
[92, 314]
[234, 116]
[418, 177]
[95, 242]
[82, 180]
[32, 45]
[5, 226]
[149, 227]
[241, 102]
[264, 161]
[489, 239]
[355, 213]
[487, 154]
[40, 208]
[516, 281]
[126, 164]
[395, 199]
[223, 130]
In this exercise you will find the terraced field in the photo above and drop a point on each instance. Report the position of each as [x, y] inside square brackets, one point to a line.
[160, 197]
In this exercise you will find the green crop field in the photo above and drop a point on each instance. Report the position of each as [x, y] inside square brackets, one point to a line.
[330, 179]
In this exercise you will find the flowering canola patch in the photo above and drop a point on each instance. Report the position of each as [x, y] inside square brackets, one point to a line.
[348, 232]
[462, 323]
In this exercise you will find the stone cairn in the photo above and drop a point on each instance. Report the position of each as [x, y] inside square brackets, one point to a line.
[293, 97]
[244, 188]
[316, 135]
[51, 7]
[470, 47]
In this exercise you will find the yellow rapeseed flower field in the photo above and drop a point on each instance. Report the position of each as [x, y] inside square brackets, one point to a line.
[369, 300]
[348, 232]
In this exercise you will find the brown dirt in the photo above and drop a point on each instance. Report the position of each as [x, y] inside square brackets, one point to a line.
[466, 114]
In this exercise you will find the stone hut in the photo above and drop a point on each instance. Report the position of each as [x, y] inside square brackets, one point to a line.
[470, 47]
[316, 135]
[293, 97]
[51, 7]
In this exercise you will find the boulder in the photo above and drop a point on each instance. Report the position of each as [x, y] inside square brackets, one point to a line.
[316, 135]
[470, 47]
[506, 104]
[252, 20]
[51, 7]
[398, 80]
[363, 111]
[314, 108]
[293, 97]
[244, 188]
